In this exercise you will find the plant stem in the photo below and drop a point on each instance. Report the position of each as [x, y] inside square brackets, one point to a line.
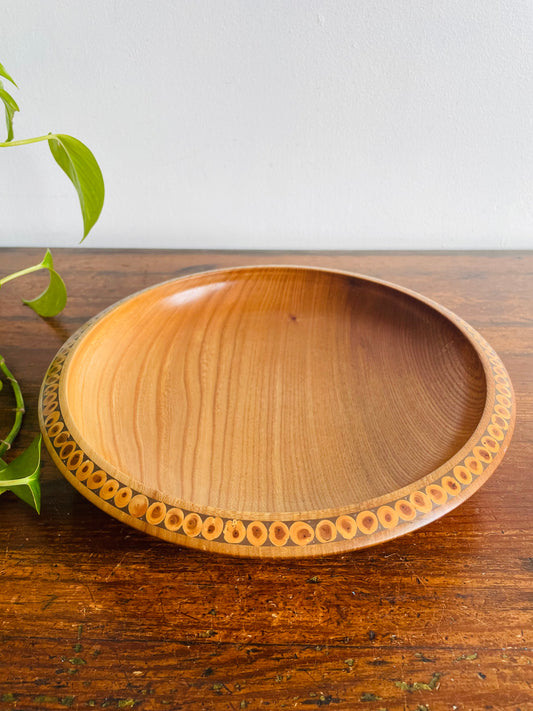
[7, 483]
[6, 443]
[22, 272]
[25, 141]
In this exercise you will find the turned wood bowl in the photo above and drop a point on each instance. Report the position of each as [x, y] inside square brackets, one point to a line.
[277, 411]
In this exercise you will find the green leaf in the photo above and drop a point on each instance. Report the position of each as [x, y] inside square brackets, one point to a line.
[84, 172]
[4, 74]
[54, 298]
[48, 260]
[10, 106]
[21, 476]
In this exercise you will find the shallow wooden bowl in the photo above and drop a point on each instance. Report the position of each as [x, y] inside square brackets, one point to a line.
[277, 411]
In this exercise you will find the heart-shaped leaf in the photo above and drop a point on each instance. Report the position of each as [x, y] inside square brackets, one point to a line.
[21, 476]
[84, 172]
[54, 298]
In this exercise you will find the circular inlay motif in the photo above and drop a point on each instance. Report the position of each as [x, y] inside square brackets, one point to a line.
[234, 531]
[278, 533]
[257, 533]
[346, 526]
[367, 522]
[173, 519]
[388, 517]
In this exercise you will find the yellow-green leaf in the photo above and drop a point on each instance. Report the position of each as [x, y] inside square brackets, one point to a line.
[84, 172]
[10, 106]
[3, 73]
[54, 298]
[48, 260]
[21, 476]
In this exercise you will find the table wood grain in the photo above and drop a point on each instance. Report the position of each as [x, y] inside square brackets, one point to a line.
[94, 614]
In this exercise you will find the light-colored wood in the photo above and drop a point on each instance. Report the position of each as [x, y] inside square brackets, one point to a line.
[277, 411]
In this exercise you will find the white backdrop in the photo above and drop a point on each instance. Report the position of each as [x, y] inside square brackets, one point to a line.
[275, 124]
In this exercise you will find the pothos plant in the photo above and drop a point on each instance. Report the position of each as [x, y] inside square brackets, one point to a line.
[21, 475]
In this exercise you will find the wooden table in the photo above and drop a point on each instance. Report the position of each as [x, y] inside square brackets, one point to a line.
[97, 615]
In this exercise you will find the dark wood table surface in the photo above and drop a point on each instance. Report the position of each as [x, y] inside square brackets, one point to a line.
[94, 614]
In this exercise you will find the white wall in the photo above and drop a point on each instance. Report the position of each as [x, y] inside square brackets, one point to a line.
[296, 124]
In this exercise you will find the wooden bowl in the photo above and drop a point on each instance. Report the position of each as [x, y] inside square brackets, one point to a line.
[277, 411]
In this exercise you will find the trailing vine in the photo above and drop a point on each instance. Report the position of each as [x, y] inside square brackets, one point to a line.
[21, 475]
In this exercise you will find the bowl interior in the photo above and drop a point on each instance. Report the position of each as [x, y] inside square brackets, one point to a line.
[274, 389]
